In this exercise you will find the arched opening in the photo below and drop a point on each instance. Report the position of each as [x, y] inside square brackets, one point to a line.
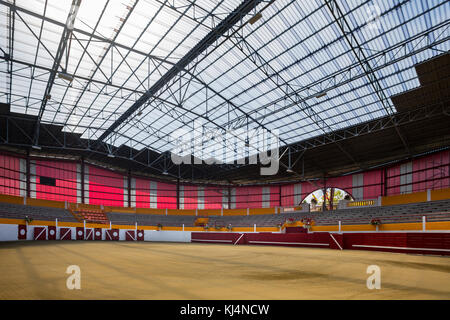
[319, 202]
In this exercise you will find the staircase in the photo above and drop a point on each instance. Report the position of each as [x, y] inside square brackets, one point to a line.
[201, 222]
[76, 215]
[89, 215]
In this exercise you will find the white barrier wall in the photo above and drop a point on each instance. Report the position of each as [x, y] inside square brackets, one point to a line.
[9, 232]
[167, 236]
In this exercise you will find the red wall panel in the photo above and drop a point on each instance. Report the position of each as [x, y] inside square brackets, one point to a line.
[398, 242]
[393, 180]
[431, 172]
[9, 175]
[167, 196]
[142, 193]
[105, 187]
[248, 197]
[274, 196]
[372, 184]
[344, 183]
[287, 195]
[65, 174]
[402, 242]
[190, 197]
[213, 198]
[215, 237]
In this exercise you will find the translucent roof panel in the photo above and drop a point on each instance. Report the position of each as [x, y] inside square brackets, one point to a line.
[297, 71]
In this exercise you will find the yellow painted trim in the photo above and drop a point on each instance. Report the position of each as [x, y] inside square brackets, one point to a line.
[258, 211]
[70, 224]
[45, 203]
[209, 212]
[360, 227]
[11, 221]
[120, 209]
[325, 228]
[97, 225]
[400, 226]
[11, 199]
[234, 212]
[444, 225]
[175, 212]
[195, 229]
[442, 194]
[404, 198]
[147, 228]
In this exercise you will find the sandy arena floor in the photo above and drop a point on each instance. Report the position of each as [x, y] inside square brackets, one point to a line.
[122, 270]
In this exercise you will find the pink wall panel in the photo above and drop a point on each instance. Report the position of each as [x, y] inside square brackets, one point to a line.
[9, 175]
[421, 171]
[65, 174]
[241, 197]
[345, 183]
[274, 196]
[213, 198]
[248, 197]
[105, 187]
[190, 197]
[431, 172]
[255, 197]
[142, 193]
[372, 184]
[393, 180]
[287, 195]
[167, 196]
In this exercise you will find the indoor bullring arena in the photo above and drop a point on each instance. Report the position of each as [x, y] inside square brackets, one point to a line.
[224, 150]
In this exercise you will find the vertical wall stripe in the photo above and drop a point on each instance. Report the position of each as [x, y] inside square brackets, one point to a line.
[406, 178]
[153, 194]
[181, 197]
[297, 194]
[266, 197]
[86, 184]
[133, 192]
[225, 198]
[358, 186]
[201, 198]
[23, 177]
[233, 198]
[33, 179]
[78, 183]
[125, 191]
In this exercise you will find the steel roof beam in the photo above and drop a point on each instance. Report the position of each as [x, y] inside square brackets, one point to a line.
[210, 38]
[344, 26]
[68, 29]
